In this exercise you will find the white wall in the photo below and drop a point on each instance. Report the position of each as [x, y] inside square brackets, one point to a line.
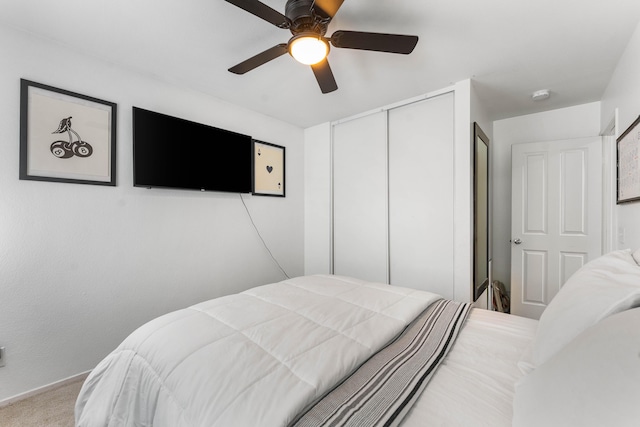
[566, 123]
[480, 114]
[463, 194]
[81, 266]
[623, 94]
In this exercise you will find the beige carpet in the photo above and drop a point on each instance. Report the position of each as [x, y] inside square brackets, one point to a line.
[53, 408]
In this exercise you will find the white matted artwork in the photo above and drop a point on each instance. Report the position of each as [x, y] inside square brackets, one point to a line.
[629, 164]
[65, 136]
[268, 169]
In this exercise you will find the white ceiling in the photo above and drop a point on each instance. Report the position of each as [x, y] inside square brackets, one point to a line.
[510, 48]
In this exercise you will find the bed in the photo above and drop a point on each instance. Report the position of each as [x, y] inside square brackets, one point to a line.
[332, 350]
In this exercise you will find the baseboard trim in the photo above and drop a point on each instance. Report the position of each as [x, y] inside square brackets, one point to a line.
[43, 389]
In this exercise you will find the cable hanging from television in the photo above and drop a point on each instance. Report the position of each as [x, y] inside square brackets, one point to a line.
[263, 242]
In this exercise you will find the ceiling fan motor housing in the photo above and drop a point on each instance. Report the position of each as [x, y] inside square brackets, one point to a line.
[304, 19]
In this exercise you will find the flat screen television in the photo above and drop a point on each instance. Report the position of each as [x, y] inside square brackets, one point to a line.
[169, 152]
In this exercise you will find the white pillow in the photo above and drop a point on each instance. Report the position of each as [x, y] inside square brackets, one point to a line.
[636, 256]
[602, 287]
[593, 381]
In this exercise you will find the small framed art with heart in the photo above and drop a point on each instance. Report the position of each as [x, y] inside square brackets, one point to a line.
[268, 169]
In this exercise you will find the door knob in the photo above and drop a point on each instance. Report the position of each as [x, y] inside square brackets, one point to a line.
[517, 241]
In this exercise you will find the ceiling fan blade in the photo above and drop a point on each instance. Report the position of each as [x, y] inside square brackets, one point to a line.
[263, 11]
[324, 76]
[392, 43]
[259, 59]
[327, 8]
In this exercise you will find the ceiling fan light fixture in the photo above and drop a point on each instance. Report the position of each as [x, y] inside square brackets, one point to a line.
[308, 49]
[308, 20]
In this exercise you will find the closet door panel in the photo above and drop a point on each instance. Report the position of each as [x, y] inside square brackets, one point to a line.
[421, 149]
[360, 243]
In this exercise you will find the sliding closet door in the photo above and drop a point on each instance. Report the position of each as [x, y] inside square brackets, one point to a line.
[421, 143]
[360, 245]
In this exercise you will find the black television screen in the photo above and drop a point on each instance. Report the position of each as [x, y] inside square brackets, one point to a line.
[171, 152]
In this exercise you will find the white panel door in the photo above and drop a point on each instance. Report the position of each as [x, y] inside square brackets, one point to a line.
[421, 149]
[555, 217]
[360, 227]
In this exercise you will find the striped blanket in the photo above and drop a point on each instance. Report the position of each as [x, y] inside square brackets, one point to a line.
[383, 389]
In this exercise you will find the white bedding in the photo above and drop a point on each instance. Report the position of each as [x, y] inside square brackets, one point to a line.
[474, 385]
[261, 357]
[257, 358]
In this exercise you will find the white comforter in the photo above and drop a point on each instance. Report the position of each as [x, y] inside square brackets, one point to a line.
[257, 358]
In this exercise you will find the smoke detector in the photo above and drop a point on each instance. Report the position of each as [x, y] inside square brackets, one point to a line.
[540, 95]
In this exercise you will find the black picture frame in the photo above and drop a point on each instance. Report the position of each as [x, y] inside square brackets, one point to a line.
[269, 172]
[628, 165]
[46, 113]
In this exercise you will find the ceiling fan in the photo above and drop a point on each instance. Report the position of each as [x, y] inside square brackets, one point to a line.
[308, 21]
